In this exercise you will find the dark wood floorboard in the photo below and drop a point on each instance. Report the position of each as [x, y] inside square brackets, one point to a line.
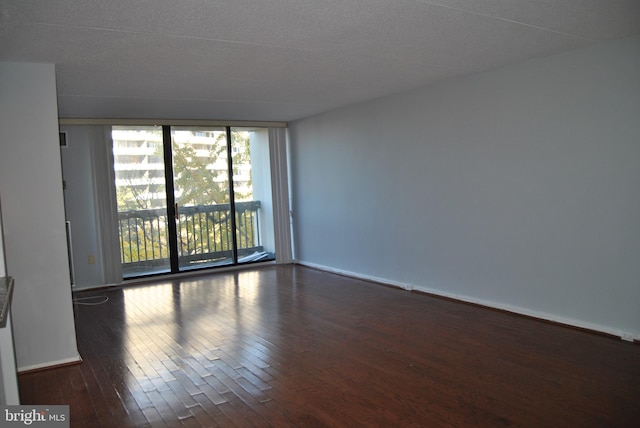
[292, 346]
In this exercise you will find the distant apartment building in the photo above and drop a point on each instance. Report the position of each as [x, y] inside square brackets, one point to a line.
[139, 163]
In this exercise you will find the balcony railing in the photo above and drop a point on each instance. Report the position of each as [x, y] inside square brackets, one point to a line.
[204, 235]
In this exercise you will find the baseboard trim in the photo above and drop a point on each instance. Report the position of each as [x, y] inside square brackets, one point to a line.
[632, 337]
[50, 365]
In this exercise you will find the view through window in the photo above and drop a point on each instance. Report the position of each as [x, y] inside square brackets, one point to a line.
[192, 197]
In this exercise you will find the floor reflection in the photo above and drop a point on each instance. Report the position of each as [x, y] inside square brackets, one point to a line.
[288, 346]
[207, 330]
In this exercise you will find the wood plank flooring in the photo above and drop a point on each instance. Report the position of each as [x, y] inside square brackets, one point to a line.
[288, 346]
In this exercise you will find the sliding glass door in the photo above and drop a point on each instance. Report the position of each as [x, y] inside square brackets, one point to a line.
[141, 199]
[251, 196]
[204, 223]
[192, 197]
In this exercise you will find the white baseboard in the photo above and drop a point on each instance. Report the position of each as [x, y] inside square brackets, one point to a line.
[624, 335]
[50, 364]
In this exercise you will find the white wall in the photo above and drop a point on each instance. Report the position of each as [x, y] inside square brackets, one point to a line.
[80, 204]
[33, 215]
[517, 188]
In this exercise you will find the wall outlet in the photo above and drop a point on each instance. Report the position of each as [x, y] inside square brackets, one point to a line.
[92, 259]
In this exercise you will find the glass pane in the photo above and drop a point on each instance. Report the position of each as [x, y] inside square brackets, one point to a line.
[201, 188]
[141, 196]
[252, 194]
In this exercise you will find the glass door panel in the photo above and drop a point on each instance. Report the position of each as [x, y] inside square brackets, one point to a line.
[204, 225]
[141, 199]
[252, 194]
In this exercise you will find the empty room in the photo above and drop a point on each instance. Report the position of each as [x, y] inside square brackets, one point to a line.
[320, 213]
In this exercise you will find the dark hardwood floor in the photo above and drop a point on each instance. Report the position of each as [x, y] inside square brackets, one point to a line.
[292, 346]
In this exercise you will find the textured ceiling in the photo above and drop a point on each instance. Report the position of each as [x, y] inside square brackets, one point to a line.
[283, 59]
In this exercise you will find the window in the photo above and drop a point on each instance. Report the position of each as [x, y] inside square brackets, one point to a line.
[192, 197]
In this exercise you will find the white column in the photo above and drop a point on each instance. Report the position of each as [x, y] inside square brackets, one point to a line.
[33, 216]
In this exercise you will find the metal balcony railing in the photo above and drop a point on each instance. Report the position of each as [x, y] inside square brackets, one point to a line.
[204, 234]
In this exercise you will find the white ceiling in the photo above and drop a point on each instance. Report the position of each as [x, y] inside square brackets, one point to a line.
[283, 59]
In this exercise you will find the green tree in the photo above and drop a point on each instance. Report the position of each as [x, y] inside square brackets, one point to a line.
[204, 180]
[198, 179]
